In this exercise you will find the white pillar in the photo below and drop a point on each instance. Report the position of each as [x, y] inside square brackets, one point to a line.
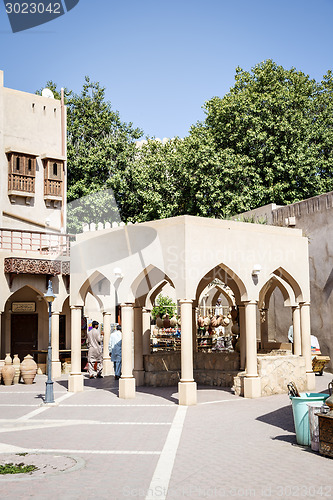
[56, 365]
[146, 331]
[242, 338]
[75, 382]
[138, 372]
[127, 381]
[297, 346]
[0, 334]
[306, 344]
[187, 388]
[107, 365]
[264, 327]
[252, 387]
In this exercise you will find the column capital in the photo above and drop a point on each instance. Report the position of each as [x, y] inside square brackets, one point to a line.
[127, 304]
[185, 301]
[107, 313]
[250, 302]
[146, 310]
[75, 307]
[294, 307]
[54, 313]
[303, 304]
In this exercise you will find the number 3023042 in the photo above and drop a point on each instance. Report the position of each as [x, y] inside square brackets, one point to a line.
[33, 8]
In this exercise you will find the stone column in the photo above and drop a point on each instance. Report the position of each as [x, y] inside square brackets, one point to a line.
[56, 365]
[187, 388]
[242, 338]
[1, 336]
[146, 331]
[75, 382]
[127, 381]
[264, 327]
[138, 372]
[194, 329]
[107, 365]
[297, 346]
[252, 387]
[306, 344]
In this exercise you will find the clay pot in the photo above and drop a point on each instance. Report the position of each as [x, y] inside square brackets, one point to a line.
[8, 371]
[166, 321]
[207, 321]
[8, 359]
[214, 322]
[17, 366]
[235, 328]
[225, 321]
[28, 369]
[173, 322]
[159, 322]
[201, 322]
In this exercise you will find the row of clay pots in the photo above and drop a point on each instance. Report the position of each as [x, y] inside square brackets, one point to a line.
[214, 321]
[12, 371]
[167, 322]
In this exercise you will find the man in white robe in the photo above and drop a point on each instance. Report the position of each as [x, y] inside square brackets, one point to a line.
[115, 351]
[95, 354]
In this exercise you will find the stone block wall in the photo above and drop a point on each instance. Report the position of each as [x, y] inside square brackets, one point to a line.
[276, 371]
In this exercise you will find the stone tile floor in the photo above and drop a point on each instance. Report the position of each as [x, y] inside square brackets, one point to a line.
[94, 445]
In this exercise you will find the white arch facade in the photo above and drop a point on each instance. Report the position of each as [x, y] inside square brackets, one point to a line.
[137, 259]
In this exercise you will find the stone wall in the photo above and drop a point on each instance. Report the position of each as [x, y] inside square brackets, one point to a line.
[213, 369]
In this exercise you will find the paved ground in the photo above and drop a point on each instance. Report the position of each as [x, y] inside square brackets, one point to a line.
[94, 445]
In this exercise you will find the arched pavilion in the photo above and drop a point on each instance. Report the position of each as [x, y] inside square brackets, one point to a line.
[128, 265]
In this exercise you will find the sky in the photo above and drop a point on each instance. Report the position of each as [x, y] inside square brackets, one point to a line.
[161, 60]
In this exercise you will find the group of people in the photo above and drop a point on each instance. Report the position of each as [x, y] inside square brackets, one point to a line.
[95, 352]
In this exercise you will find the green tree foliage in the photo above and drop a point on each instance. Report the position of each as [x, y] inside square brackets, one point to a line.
[164, 305]
[99, 145]
[268, 140]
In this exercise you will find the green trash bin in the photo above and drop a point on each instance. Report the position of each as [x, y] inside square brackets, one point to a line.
[301, 417]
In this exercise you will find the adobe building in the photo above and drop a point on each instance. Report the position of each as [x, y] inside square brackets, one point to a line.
[33, 245]
[123, 266]
[120, 270]
[314, 217]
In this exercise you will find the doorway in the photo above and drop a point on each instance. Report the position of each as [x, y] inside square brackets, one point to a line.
[24, 334]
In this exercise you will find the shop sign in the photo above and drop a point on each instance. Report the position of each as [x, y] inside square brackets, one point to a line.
[20, 307]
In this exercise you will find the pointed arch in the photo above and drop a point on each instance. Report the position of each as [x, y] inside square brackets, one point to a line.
[229, 277]
[268, 288]
[146, 280]
[281, 273]
[94, 280]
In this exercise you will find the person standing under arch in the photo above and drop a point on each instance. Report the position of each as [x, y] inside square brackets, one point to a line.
[115, 351]
[95, 353]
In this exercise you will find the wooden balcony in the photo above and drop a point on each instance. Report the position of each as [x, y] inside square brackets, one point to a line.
[52, 190]
[21, 185]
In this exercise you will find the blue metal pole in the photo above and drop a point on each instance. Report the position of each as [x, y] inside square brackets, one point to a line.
[49, 397]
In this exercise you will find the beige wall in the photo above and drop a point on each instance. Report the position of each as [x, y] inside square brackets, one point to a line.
[29, 124]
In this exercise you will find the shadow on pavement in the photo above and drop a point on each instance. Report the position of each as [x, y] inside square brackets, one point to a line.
[283, 418]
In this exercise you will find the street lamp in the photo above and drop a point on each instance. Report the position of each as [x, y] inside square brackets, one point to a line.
[49, 397]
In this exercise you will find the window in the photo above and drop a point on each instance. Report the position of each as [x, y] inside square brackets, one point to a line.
[30, 165]
[17, 163]
[55, 169]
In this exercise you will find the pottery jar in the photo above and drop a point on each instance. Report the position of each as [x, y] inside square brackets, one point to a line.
[17, 366]
[8, 371]
[28, 369]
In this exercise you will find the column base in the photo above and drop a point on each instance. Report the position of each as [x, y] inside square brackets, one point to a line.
[75, 382]
[252, 387]
[56, 369]
[127, 388]
[310, 381]
[187, 393]
[107, 367]
[139, 376]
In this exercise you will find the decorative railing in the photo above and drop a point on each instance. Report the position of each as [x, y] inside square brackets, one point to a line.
[52, 188]
[34, 241]
[19, 182]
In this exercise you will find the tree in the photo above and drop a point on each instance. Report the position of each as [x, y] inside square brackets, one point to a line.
[99, 145]
[268, 118]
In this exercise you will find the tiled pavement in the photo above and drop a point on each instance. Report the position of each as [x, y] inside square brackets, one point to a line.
[149, 447]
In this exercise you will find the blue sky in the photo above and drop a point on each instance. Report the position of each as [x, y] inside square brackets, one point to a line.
[160, 61]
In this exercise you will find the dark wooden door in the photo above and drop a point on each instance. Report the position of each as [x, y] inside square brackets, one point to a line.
[24, 329]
